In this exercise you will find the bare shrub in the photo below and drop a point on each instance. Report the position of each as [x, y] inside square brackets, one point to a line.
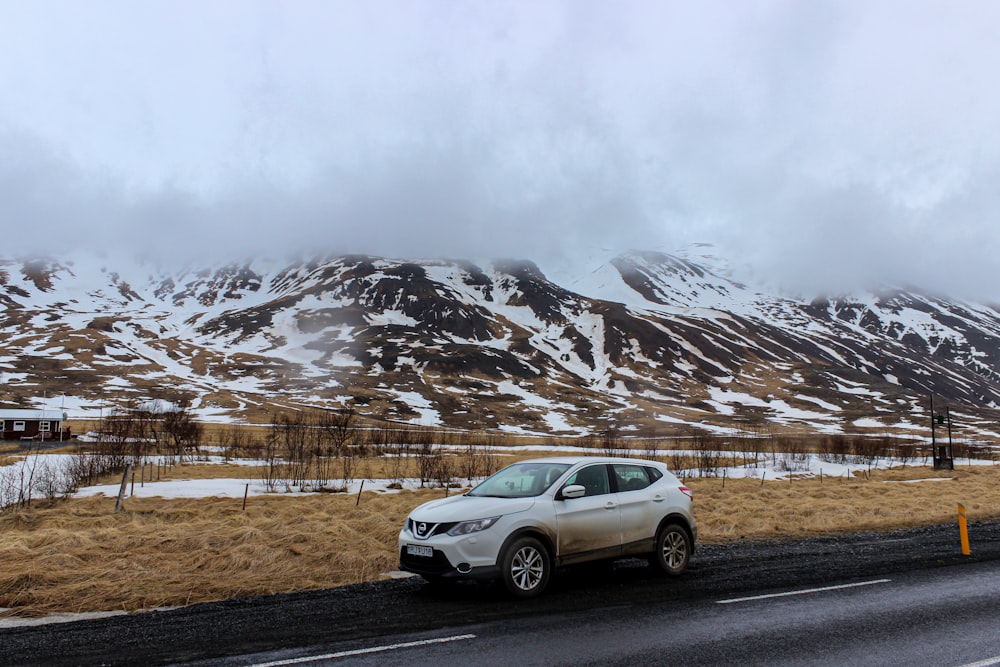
[611, 441]
[398, 460]
[238, 442]
[182, 433]
[51, 482]
[707, 455]
[443, 470]
[428, 457]
[795, 457]
[271, 469]
[678, 459]
[347, 466]
[10, 488]
[835, 449]
[650, 449]
[869, 450]
[336, 436]
[337, 430]
[471, 463]
[34, 476]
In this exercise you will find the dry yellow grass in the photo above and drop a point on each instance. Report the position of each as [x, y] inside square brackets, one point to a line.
[79, 555]
[198, 471]
[887, 501]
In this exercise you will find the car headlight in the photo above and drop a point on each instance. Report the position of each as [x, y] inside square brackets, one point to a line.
[466, 527]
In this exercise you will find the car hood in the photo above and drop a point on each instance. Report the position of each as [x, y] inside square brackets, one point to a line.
[469, 508]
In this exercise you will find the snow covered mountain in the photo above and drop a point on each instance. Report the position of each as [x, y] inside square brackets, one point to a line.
[645, 341]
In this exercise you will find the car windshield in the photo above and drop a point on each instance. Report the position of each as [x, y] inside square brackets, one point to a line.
[521, 480]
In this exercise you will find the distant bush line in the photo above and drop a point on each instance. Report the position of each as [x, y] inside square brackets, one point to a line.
[326, 450]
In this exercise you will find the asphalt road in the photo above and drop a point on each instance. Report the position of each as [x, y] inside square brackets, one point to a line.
[918, 593]
[948, 616]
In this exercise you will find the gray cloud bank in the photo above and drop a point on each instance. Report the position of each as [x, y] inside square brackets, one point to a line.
[819, 145]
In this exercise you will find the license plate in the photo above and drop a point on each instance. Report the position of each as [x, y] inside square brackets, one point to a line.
[418, 550]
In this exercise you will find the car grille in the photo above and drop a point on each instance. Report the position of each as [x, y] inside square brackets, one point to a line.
[422, 530]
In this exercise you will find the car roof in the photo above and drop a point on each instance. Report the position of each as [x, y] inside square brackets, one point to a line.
[572, 460]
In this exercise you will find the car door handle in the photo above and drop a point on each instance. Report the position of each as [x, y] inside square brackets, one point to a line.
[658, 498]
[610, 505]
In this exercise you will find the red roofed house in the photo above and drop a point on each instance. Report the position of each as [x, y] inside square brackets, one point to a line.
[33, 425]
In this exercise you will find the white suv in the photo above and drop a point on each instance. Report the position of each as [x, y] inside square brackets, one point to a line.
[532, 516]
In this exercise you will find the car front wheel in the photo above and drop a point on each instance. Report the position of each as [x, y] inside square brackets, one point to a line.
[525, 567]
[673, 549]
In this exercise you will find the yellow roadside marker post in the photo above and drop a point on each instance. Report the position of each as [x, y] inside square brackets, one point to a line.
[963, 529]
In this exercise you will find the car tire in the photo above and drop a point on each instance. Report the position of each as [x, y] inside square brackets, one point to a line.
[673, 550]
[525, 567]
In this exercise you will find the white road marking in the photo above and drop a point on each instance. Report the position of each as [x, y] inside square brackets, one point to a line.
[363, 651]
[804, 592]
[988, 662]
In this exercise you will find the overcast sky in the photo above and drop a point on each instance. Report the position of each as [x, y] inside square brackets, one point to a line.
[822, 144]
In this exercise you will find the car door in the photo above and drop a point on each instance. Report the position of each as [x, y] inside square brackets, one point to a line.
[640, 508]
[589, 527]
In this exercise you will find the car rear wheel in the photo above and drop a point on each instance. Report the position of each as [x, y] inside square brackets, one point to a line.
[525, 567]
[673, 549]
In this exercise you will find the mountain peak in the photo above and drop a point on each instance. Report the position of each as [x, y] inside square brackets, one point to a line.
[643, 340]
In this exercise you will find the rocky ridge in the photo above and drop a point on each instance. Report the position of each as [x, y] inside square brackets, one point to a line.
[648, 341]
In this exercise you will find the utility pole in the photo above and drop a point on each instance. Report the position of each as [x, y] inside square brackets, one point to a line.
[943, 458]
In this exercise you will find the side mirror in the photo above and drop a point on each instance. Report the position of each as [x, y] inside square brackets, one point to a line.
[572, 491]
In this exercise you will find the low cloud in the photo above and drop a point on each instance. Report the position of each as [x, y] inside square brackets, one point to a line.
[822, 146]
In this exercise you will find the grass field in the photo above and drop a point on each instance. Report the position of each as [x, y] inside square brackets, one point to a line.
[79, 555]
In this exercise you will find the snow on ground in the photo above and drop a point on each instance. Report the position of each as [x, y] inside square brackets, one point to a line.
[557, 422]
[781, 412]
[823, 404]
[553, 418]
[429, 416]
[228, 487]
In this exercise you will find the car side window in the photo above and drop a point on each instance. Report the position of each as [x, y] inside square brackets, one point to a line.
[631, 477]
[593, 478]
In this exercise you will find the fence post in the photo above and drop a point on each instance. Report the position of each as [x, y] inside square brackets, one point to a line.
[120, 503]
